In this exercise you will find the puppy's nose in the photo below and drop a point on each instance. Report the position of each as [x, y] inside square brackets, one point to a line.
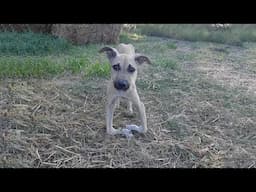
[121, 85]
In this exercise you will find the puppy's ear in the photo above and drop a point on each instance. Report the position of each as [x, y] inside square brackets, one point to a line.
[111, 52]
[142, 59]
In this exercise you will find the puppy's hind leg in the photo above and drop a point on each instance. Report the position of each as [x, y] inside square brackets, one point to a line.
[129, 107]
[118, 102]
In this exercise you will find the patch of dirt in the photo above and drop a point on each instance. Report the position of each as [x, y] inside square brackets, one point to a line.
[229, 70]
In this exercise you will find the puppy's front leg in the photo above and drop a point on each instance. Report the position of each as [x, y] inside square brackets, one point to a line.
[109, 119]
[109, 115]
[141, 108]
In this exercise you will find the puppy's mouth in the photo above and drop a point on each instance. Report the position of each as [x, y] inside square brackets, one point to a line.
[121, 85]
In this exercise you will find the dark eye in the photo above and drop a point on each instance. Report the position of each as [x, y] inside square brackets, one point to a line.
[116, 67]
[130, 69]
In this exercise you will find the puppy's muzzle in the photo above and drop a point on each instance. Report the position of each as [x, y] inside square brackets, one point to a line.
[121, 84]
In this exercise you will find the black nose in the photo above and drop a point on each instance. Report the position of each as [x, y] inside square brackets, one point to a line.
[121, 85]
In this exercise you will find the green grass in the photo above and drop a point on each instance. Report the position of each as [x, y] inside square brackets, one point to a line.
[25, 55]
[28, 67]
[237, 34]
[13, 43]
[167, 63]
[76, 64]
[171, 45]
[39, 66]
[97, 70]
[39, 55]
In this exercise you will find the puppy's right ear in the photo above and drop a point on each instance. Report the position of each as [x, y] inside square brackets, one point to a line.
[111, 52]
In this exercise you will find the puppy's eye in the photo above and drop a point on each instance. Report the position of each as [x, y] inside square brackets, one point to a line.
[116, 67]
[130, 69]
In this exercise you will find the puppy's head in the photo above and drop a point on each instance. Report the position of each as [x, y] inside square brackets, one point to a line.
[124, 67]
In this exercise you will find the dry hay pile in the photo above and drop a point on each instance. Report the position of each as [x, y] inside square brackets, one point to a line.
[88, 33]
[37, 28]
[75, 33]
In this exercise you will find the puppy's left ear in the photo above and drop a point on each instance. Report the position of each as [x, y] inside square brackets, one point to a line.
[111, 52]
[140, 59]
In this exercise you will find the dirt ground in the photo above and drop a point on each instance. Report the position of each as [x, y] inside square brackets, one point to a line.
[202, 114]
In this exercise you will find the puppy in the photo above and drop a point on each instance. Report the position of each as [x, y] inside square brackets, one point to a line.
[124, 63]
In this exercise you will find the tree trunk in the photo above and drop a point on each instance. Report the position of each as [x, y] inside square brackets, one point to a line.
[88, 33]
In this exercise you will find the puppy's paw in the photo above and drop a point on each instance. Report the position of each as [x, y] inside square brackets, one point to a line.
[112, 131]
[135, 128]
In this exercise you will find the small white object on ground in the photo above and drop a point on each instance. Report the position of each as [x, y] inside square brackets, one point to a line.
[135, 128]
[127, 133]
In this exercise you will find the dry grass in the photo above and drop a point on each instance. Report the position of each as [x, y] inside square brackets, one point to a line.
[199, 115]
[47, 124]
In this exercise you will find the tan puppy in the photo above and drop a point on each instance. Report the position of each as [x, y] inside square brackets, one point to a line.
[124, 63]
